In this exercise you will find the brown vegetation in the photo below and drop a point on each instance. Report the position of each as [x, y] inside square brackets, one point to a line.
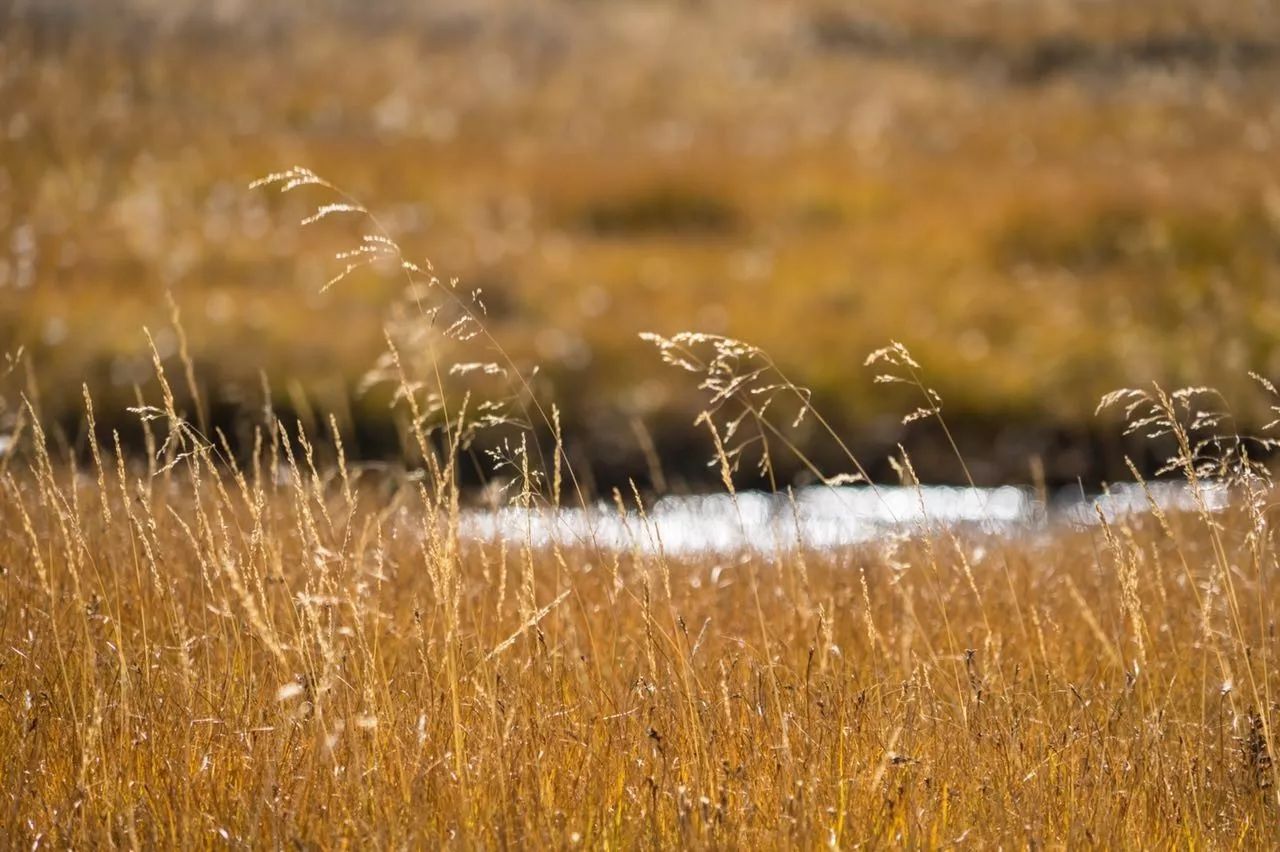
[1031, 196]
[282, 649]
[249, 638]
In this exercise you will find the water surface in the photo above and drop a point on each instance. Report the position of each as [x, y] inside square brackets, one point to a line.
[820, 517]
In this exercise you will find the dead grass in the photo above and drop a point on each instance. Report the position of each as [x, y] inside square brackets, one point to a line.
[205, 648]
[280, 655]
[255, 643]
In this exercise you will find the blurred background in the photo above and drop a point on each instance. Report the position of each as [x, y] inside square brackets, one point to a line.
[1044, 200]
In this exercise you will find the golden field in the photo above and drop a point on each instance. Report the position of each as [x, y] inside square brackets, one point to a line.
[291, 652]
[1043, 200]
[208, 647]
[275, 488]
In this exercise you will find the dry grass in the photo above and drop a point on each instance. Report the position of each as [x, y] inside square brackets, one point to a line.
[294, 656]
[255, 643]
[274, 648]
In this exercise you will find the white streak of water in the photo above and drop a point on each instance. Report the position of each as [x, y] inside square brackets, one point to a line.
[822, 518]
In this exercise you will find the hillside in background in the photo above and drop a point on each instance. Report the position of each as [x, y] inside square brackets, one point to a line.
[1043, 200]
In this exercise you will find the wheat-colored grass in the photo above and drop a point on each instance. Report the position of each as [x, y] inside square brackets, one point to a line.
[212, 656]
[276, 649]
[208, 645]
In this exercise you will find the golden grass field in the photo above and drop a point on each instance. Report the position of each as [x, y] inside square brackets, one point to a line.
[207, 647]
[224, 625]
[289, 652]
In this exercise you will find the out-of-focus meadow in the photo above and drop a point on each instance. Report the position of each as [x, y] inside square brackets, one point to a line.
[1043, 200]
